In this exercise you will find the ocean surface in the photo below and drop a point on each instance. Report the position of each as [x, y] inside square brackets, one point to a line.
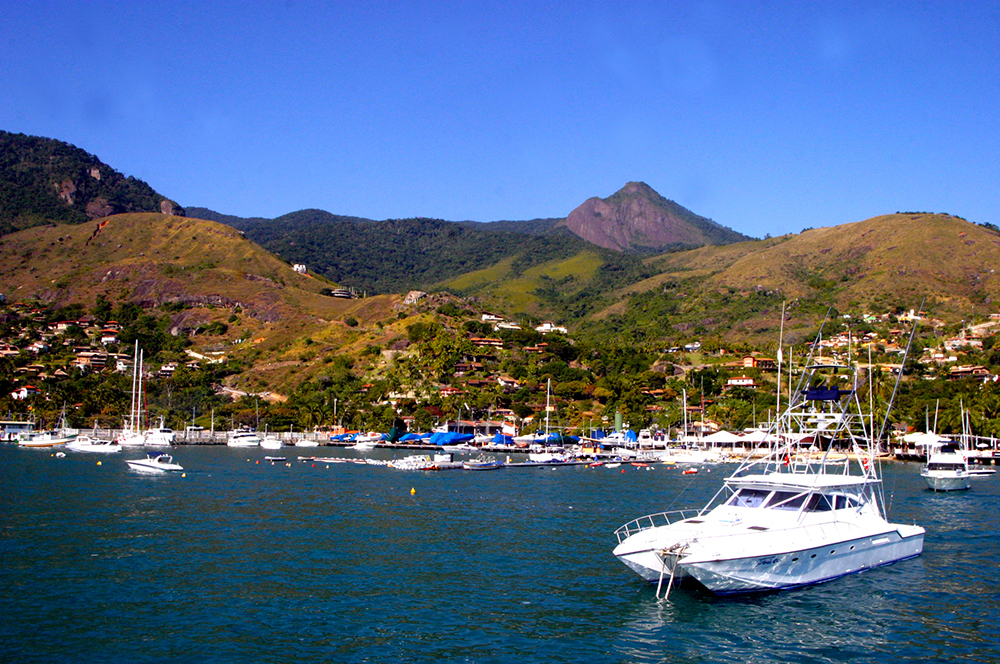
[240, 561]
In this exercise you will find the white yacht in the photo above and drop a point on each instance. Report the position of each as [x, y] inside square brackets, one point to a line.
[43, 439]
[776, 524]
[155, 462]
[243, 438]
[161, 435]
[947, 470]
[271, 442]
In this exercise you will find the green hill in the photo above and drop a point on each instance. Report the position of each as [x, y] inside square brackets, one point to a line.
[43, 180]
[397, 255]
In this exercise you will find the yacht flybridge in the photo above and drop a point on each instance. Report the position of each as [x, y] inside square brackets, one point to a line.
[808, 511]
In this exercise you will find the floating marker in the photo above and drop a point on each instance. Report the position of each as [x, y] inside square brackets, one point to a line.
[184, 474]
[413, 491]
[98, 463]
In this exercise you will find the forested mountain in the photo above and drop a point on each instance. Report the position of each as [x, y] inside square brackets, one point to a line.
[43, 180]
[396, 254]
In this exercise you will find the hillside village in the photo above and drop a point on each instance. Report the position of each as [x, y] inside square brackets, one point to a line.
[461, 365]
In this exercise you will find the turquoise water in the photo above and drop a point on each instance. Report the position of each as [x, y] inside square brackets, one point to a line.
[240, 561]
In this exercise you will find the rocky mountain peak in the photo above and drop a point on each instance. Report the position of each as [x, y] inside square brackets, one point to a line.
[637, 218]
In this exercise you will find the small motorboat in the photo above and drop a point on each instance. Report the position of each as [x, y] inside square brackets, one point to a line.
[88, 444]
[482, 463]
[154, 463]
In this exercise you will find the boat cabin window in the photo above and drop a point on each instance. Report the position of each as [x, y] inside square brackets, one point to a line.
[820, 503]
[786, 500]
[946, 466]
[748, 498]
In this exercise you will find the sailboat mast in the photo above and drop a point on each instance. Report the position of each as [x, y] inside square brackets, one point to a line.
[548, 394]
[135, 370]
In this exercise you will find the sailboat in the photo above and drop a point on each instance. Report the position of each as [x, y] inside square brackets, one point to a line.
[542, 448]
[131, 435]
[790, 518]
[54, 438]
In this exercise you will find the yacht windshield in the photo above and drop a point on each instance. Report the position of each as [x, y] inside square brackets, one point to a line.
[748, 498]
[786, 500]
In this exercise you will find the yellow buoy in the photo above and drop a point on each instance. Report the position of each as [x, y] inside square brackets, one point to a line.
[98, 463]
[184, 474]
[413, 491]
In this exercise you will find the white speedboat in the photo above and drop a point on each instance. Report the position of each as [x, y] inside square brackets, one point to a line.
[775, 524]
[304, 442]
[88, 444]
[243, 438]
[947, 470]
[154, 463]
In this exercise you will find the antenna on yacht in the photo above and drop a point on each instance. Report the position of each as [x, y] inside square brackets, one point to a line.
[781, 338]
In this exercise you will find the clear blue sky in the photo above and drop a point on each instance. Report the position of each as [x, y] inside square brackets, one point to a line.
[767, 117]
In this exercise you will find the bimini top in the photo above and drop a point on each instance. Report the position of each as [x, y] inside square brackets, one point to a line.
[800, 480]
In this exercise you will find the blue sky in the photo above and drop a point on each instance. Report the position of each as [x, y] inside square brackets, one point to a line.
[768, 117]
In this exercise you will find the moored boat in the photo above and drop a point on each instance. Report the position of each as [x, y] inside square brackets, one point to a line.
[947, 470]
[242, 438]
[482, 463]
[88, 444]
[155, 462]
[161, 435]
[271, 442]
[43, 439]
[774, 524]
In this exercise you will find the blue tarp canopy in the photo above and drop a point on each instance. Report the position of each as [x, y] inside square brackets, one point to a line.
[500, 439]
[631, 436]
[449, 438]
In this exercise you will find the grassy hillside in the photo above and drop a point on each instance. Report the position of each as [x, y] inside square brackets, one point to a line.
[886, 263]
[200, 272]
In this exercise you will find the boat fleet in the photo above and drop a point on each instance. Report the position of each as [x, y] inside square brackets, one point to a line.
[804, 506]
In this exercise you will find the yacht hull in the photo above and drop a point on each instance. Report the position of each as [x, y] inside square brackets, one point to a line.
[769, 569]
[948, 483]
[806, 567]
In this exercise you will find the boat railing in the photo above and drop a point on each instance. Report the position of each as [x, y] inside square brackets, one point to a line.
[652, 521]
